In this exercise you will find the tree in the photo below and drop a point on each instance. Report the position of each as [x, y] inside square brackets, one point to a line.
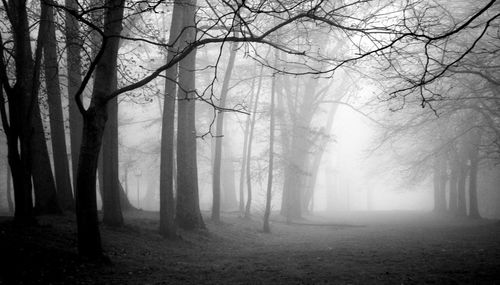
[94, 119]
[73, 63]
[167, 203]
[249, 147]
[219, 133]
[27, 150]
[188, 213]
[58, 136]
[267, 211]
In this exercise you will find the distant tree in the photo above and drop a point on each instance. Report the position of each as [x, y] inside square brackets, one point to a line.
[267, 211]
[219, 133]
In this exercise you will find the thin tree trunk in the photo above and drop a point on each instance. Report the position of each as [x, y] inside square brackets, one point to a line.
[473, 154]
[245, 152]
[440, 178]
[60, 155]
[267, 212]
[219, 132]
[452, 203]
[229, 200]
[188, 207]
[10, 203]
[462, 177]
[249, 153]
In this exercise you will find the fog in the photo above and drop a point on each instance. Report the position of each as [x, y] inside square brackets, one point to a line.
[249, 142]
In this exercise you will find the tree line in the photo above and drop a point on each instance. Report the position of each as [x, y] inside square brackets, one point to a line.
[71, 52]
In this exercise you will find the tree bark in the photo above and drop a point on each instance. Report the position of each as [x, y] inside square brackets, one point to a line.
[60, 155]
[188, 206]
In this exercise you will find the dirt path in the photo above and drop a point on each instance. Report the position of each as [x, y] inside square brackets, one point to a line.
[351, 248]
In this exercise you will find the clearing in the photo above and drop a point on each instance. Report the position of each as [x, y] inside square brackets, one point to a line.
[349, 248]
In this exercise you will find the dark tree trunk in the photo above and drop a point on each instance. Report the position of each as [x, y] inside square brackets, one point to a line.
[89, 241]
[60, 155]
[267, 211]
[10, 203]
[74, 63]
[112, 211]
[188, 213]
[46, 201]
[22, 98]
[89, 238]
[219, 132]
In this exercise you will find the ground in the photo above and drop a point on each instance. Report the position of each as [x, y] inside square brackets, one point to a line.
[349, 248]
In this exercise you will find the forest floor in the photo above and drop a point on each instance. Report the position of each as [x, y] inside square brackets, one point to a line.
[349, 248]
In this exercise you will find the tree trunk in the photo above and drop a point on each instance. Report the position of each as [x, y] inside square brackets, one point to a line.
[249, 153]
[168, 227]
[219, 132]
[112, 211]
[317, 156]
[188, 206]
[60, 155]
[228, 197]
[10, 203]
[462, 178]
[245, 152]
[74, 63]
[46, 201]
[22, 99]
[473, 154]
[440, 178]
[267, 212]
[452, 203]
[89, 242]
[89, 238]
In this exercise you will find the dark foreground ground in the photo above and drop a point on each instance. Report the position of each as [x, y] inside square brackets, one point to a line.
[351, 248]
